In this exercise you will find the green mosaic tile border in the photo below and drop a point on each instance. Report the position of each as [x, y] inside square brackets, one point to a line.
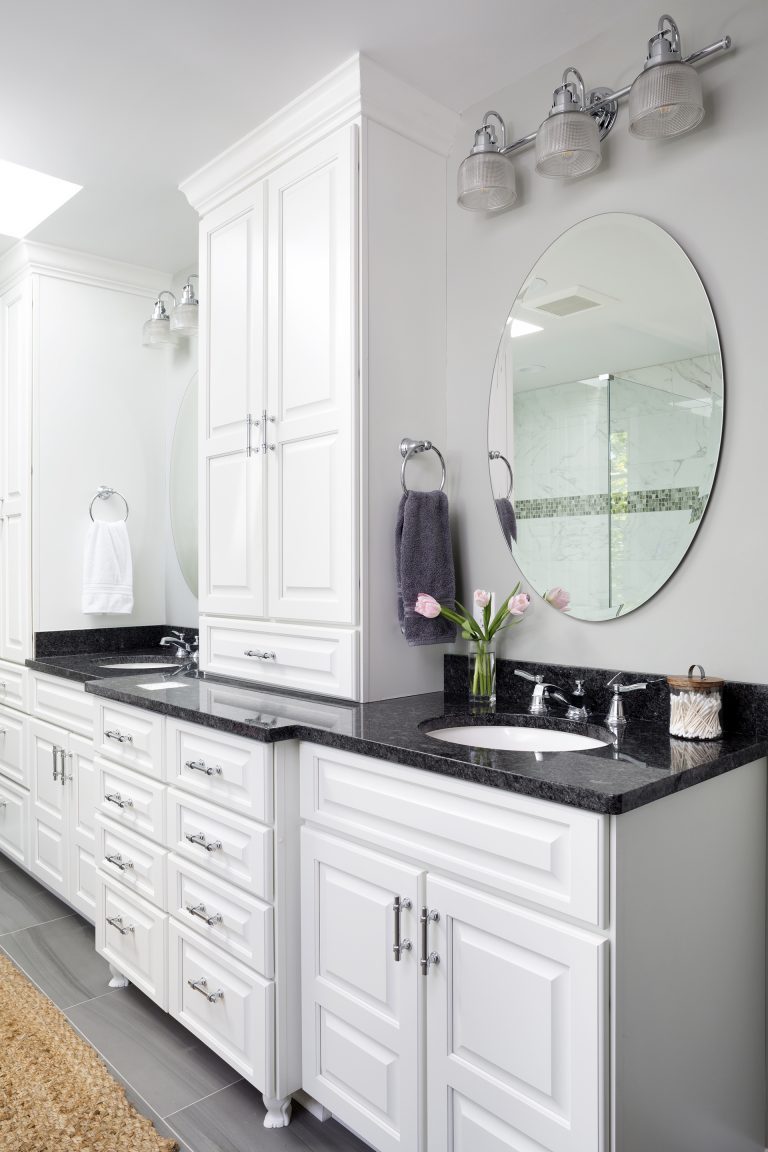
[618, 503]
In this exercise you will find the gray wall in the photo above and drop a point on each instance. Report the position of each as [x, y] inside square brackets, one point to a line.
[708, 189]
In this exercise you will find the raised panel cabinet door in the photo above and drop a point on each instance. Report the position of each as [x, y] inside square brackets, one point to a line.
[515, 1028]
[49, 808]
[232, 373]
[360, 1005]
[82, 782]
[312, 384]
[15, 472]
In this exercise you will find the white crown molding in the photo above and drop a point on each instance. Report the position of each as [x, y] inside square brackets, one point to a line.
[66, 264]
[358, 88]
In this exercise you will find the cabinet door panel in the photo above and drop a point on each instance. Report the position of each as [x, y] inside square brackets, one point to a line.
[83, 787]
[14, 822]
[15, 450]
[13, 760]
[49, 806]
[360, 1008]
[312, 378]
[232, 379]
[515, 1012]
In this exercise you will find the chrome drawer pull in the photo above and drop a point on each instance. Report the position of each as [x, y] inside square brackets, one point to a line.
[3, 731]
[260, 655]
[116, 798]
[55, 749]
[201, 986]
[201, 766]
[427, 957]
[116, 734]
[117, 922]
[199, 838]
[3, 686]
[3, 803]
[62, 774]
[118, 862]
[399, 945]
[201, 912]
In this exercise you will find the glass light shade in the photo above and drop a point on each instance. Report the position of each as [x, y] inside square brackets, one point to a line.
[157, 334]
[665, 100]
[567, 144]
[486, 182]
[184, 319]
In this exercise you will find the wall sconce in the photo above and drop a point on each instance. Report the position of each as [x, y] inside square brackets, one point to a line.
[664, 100]
[162, 330]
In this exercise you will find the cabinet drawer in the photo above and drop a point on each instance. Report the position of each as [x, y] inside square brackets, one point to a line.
[131, 736]
[13, 763]
[64, 703]
[546, 853]
[320, 660]
[131, 935]
[136, 802]
[131, 860]
[14, 685]
[230, 1008]
[14, 823]
[224, 915]
[221, 842]
[229, 771]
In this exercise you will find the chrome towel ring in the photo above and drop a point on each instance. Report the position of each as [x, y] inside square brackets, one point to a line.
[498, 456]
[410, 448]
[105, 493]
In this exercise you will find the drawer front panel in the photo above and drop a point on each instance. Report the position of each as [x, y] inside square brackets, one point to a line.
[222, 914]
[13, 763]
[14, 823]
[320, 660]
[132, 860]
[64, 703]
[14, 686]
[546, 853]
[135, 801]
[221, 842]
[131, 934]
[132, 737]
[224, 769]
[230, 1008]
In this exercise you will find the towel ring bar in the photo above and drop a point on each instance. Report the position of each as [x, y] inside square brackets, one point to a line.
[410, 448]
[498, 456]
[104, 493]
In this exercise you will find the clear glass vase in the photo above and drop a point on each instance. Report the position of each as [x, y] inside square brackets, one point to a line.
[482, 672]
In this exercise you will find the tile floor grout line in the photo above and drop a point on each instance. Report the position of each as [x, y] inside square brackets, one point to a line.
[42, 924]
[223, 1088]
[89, 1000]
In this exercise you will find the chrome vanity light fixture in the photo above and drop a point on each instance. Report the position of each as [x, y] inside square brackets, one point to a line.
[487, 176]
[184, 318]
[568, 141]
[157, 330]
[664, 100]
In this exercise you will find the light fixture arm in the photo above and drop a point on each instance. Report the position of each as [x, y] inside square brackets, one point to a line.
[500, 119]
[159, 312]
[603, 100]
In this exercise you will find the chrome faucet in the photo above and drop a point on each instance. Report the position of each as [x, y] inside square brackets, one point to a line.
[186, 651]
[616, 718]
[544, 692]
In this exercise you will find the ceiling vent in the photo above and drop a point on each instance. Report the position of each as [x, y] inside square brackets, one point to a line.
[568, 301]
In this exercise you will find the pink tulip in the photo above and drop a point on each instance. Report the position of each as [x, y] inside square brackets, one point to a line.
[518, 604]
[558, 598]
[482, 598]
[426, 605]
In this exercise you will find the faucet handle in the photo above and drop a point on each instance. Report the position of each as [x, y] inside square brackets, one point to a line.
[528, 676]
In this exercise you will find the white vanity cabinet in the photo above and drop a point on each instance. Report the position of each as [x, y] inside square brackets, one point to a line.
[322, 285]
[487, 972]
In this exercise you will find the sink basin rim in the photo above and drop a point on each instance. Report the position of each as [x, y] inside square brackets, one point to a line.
[139, 665]
[516, 738]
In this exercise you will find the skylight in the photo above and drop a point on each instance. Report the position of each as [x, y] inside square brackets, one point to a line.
[28, 197]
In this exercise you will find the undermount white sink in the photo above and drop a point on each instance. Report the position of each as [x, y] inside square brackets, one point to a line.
[517, 739]
[139, 666]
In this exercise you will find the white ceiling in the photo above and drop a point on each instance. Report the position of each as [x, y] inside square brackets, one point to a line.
[128, 99]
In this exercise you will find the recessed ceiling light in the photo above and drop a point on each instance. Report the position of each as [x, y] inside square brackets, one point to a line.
[521, 328]
[28, 197]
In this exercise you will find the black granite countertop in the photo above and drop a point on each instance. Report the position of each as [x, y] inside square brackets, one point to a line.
[85, 666]
[647, 765]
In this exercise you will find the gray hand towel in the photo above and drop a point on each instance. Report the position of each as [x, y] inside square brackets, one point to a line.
[507, 518]
[424, 563]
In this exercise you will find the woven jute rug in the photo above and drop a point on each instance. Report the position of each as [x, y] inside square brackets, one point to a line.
[56, 1095]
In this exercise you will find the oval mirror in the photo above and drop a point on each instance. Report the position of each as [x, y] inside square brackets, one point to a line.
[183, 485]
[606, 415]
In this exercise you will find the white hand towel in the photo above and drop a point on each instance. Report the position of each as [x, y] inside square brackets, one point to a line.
[107, 568]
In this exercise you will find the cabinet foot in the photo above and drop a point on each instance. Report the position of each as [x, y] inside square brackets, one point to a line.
[278, 1111]
[118, 980]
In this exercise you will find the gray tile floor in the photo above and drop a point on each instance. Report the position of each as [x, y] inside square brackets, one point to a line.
[168, 1074]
